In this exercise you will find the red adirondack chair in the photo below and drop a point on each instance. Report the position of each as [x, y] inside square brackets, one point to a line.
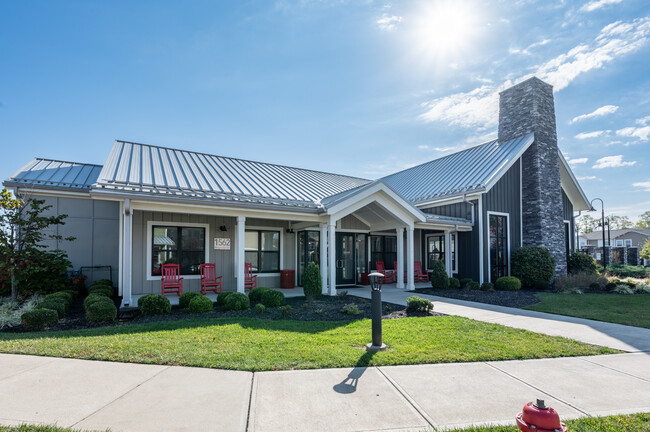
[419, 275]
[250, 280]
[209, 279]
[171, 282]
[389, 275]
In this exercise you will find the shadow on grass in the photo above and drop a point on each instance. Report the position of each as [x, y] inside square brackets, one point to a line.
[349, 384]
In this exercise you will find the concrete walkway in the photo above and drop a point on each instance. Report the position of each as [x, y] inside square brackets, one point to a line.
[617, 336]
[95, 395]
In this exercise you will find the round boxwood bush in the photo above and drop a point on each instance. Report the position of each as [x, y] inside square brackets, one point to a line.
[580, 262]
[454, 283]
[55, 303]
[508, 283]
[154, 304]
[418, 304]
[472, 285]
[102, 282]
[38, 319]
[68, 297]
[610, 286]
[439, 278]
[72, 292]
[465, 281]
[255, 295]
[237, 301]
[312, 283]
[104, 290]
[532, 263]
[260, 308]
[185, 299]
[221, 298]
[101, 311]
[487, 286]
[272, 298]
[93, 298]
[200, 304]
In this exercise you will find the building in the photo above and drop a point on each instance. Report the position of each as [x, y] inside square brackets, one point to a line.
[626, 237]
[149, 205]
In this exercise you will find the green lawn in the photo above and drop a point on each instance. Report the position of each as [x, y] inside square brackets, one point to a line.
[620, 423]
[257, 345]
[631, 310]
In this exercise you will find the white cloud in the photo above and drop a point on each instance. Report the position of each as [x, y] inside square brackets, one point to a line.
[478, 108]
[643, 121]
[577, 161]
[423, 147]
[445, 149]
[597, 4]
[529, 47]
[602, 111]
[587, 178]
[389, 22]
[612, 162]
[642, 133]
[643, 185]
[589, 135]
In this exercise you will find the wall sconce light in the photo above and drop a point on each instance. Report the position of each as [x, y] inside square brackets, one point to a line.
[223, 228]
[289, 230]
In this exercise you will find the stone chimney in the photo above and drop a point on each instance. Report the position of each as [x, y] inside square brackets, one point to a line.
[524, 108]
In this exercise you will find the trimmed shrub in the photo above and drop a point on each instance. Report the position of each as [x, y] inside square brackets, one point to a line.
[312, 283]
[200, 304]
[101, 311]
[286, 311]
[418, 304]
[473, 285]
[237, 301]
[508, 283]
[221, 298]
[623, 289]
[272, 299]
[465, 281]
[351, 309]
[610, 286]
[103, 282]
[260, 308]
[595, 286]
[72, 292]
[626, 271]
[67, 297]
[94, 298]
[439, 277]
[255, 295]
[543, 285]
[55, 303]
[487, 286]
[532, 263]
[104, 290]
[454, 283]
[154, 304]
[38, 319]
[185, 299]
[580, 262]
[642, 289]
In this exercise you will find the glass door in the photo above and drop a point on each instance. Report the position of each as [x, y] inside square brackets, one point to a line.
[345, 259]
[308, 251]
[361, 256]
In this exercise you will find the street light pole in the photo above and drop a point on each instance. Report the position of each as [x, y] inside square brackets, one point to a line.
[602, 207]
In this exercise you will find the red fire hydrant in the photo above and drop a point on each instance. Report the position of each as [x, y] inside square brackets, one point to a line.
[537, 417]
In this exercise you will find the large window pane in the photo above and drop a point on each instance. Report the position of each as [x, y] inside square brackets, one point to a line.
[251, 257]
[262, 250]
[270, 241]
[270, 261]
[251, 240]
[184, 246]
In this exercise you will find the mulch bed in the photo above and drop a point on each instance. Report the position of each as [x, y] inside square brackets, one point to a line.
[323, 309]
[515, 299]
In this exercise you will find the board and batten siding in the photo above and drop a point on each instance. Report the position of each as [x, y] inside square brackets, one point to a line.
[96, 228]
[224, 260]
[567, 211]
[350, 222]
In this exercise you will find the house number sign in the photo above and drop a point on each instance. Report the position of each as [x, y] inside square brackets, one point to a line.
[222, 244]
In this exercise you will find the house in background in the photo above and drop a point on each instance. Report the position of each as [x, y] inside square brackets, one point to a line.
[627, 237]
[149, 205]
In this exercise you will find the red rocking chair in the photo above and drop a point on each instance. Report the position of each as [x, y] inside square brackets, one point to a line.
[419, 275]
[171, 282]
[390, 276]
[209, 279]
[250, 280]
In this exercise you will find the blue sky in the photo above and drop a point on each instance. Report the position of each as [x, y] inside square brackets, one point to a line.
[362, 88]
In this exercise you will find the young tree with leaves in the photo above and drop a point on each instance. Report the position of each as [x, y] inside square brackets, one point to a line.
[22, 232]
[644, 221]
[586, 223]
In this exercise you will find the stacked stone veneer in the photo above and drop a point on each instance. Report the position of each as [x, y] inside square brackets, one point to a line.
[525, 108]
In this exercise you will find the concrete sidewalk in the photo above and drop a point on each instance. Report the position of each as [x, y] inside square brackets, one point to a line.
[617, 336]
[97, 395]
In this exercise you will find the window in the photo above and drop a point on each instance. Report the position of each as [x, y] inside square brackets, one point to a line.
[308, 251]
[628, 242]
[262, 250]
[180, 245]
[619, 243]
[383, 248]
[454, 261]
[498, 246]
[435, 250]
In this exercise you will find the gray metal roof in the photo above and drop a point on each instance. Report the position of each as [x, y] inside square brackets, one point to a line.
[55, 174]
[462, 172]
[142, 168]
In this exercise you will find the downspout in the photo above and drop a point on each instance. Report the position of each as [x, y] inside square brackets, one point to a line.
[470, 203]
[576, 242]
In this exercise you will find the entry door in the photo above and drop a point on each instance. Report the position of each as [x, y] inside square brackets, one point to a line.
[345, 260]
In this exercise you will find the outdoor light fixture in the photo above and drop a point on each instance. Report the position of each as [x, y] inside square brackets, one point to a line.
[377, 344]
[602, 215]
[223, 228]
[289, 230]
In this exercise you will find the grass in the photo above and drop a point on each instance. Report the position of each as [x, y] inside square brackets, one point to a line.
[633, 310]
[258, 345]
[619, 423]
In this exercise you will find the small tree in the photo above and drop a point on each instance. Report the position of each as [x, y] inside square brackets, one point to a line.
[645, 251]
[312, 283]
[439, 277]
[22, 232]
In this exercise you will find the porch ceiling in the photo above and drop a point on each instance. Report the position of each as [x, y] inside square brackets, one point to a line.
[374, 214]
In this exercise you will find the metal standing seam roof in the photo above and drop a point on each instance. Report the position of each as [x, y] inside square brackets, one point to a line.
[55, 174]
[135, 167]
[465, 171]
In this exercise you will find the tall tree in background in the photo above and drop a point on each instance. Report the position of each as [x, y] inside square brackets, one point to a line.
[22, 232]
[586, 223]
[644, 220]
[619, 222]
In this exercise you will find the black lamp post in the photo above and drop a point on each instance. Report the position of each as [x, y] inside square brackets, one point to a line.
[604, 255]
[377, 344]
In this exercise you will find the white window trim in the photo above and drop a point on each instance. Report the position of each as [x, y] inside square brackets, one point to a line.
[628, 241]
[150, 225]
[487, 240]
[454, 240]
[281, 231]
[570, 236]
[619, 240]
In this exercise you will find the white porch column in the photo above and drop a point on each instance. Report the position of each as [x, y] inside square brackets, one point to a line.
[331, 243]
[400, 258]
[241, 256]
[127, 253]
[448, 252]
[323, 257]
[410, 265]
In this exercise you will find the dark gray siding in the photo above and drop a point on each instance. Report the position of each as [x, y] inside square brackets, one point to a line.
[567, 211]
[504, 197]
